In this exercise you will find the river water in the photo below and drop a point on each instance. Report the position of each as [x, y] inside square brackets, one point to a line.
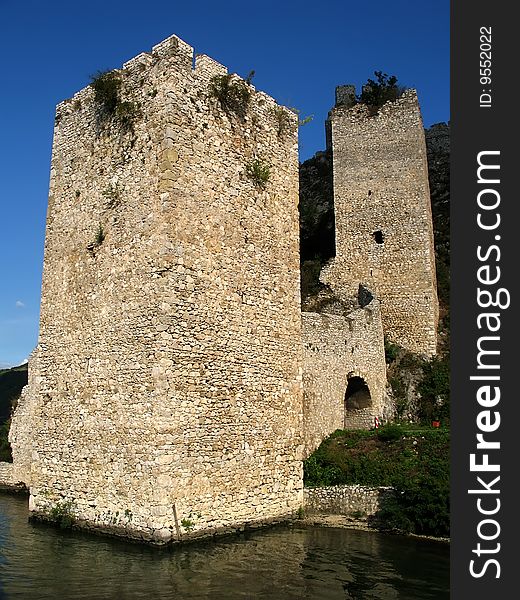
[39, 561]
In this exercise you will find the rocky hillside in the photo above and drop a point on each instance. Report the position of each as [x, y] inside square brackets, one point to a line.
[11, 383]
[438, 148]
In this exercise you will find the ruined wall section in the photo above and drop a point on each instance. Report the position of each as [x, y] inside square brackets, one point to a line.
[170, 338]
[337, 348]
[384, 232]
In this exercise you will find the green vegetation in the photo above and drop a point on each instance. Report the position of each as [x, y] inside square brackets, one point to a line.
[100, 236]
[391, 351]
[412, 459]
[188, 525]
[389, 433]
[302, 120]
[11, 383]
[434, 390]
[284, 121]
[383, 89]
[107, 94]
[259, 172]
[5, 447]
[233, 93]
[62, 514]
[112, 195]
[358, 514]
[426, 382]
[126, 114]
[107, 89]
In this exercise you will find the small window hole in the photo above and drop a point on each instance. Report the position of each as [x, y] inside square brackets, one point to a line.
[378, 236]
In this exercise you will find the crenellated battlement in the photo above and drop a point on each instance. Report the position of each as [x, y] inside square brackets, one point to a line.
[181, 59]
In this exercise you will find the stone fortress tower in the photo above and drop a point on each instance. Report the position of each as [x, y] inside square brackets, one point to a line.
[168, 394]
[384, 231]
[176, 385]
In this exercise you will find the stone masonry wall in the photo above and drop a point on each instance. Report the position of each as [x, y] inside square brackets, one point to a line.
[169, 396]
[336, 349]
[8, 479]
[345, 499]
[384, 233]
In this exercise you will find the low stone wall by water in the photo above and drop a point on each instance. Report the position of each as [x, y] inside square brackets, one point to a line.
[349, 500]
[8, 482]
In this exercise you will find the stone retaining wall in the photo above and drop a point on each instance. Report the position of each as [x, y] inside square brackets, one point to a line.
[349, 500]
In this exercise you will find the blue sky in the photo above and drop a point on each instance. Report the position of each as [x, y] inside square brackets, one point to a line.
[299, 50]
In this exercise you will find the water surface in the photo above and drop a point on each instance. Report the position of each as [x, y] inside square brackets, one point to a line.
[38, 561]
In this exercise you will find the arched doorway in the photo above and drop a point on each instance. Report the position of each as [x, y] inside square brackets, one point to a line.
[357, 400]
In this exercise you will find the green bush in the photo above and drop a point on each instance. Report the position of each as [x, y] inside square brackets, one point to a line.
[391, 351]
[126, 114]
[100, 236]
[107, 87]
[421, 505]
[107, 94]
[282, 119]
[315, 473]
[411, 375]
[389, 433]
[233, 93]
[62, 514]
[188, 525]
[383, 89]
[434, 389]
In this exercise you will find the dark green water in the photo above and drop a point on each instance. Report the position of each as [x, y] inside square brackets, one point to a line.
[37, 561]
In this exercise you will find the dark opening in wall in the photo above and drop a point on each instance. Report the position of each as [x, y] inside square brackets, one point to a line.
[357, 394]
[378, 236]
